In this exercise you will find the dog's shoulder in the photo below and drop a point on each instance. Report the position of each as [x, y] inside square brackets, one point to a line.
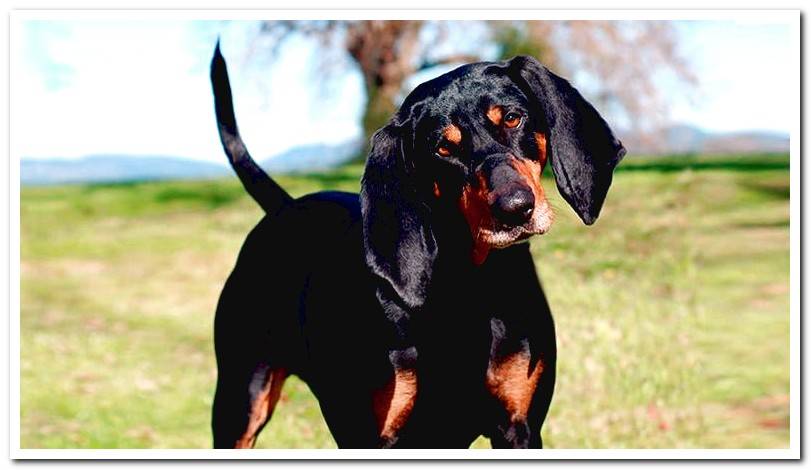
[330, 210]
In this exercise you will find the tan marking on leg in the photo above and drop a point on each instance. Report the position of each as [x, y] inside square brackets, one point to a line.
[495, 114]
[475, 207]
[437, 192]
[513, 380]
[393, 403]
[453, 134]
[262, 407]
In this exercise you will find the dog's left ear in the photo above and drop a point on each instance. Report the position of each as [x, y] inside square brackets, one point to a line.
[399, 243]
[582, 147]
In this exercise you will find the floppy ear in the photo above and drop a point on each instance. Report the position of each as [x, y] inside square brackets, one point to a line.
[582, 147]
[400, 246]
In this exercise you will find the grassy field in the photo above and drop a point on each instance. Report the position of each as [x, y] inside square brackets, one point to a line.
[672, 311]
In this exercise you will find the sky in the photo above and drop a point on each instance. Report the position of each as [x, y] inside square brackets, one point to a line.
[745, 76]
[142, 87]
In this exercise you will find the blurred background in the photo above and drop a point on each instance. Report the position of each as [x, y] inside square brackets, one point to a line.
[672, 310]
[310, 93]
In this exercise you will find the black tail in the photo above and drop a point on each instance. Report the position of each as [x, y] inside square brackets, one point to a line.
[270, 196]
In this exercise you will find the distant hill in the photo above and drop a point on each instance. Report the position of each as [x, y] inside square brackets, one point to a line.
[119, 168]
[688, 139]
[312, 157]
[116, 168]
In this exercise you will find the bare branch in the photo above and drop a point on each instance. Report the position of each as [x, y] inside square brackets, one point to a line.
[618, 62]
[451, 59]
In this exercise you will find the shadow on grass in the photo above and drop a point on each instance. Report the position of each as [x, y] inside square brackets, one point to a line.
[200, 192]
[773, 191]
[670, 164]
[783, 223]
[94, 187]
[333, 178]
[211, 197]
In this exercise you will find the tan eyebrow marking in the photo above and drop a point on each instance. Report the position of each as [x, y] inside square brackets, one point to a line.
[495, 114]
[453, 134]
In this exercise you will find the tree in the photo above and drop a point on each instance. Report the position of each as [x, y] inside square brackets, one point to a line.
[386, 52]
[618, 61]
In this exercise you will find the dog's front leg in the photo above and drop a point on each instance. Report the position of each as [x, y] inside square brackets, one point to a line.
[512, 381]
[394, 402]
[517, 380]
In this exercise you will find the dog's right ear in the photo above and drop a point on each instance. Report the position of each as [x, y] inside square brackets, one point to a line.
[582, 147]
[399, 245]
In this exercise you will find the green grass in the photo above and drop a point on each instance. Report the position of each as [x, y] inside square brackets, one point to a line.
[672, 311]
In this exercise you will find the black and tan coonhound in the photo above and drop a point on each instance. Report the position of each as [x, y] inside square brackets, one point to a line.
[411, 309]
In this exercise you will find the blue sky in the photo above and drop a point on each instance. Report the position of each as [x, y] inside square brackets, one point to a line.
[141, 87]
[745, 75]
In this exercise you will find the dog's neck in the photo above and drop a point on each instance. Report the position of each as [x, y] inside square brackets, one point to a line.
[455, 243]
[455, 266]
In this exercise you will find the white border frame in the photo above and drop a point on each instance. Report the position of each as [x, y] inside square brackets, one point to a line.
[789, 17]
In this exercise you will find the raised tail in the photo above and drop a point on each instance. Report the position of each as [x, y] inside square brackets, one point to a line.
[270, 196]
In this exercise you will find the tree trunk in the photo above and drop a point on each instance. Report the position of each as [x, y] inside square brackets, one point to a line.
[380, 107]
[384, 51]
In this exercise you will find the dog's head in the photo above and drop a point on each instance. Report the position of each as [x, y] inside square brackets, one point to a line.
[478, 138]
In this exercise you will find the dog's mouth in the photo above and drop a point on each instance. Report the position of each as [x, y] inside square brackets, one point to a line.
[506, 237]
[501, 237]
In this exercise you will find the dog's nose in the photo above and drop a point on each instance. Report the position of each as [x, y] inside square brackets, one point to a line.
[515, 207]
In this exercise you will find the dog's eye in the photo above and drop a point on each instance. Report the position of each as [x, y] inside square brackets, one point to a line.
[443, 151]
[512, 120]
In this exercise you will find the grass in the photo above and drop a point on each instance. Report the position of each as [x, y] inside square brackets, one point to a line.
[672, 311]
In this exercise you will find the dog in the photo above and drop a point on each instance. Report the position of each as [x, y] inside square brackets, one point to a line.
[412, 310]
